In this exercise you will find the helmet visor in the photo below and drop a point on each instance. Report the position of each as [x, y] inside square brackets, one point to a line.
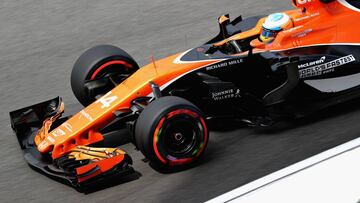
[268, 33]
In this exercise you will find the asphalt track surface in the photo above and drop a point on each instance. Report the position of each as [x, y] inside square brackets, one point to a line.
[39, 42]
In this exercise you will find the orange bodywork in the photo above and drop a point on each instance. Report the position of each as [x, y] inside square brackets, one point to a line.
[101, 160]
[83, 127]
[319, 24]
[314, 23]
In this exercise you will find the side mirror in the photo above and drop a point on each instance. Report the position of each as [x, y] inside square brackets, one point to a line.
[223, 21]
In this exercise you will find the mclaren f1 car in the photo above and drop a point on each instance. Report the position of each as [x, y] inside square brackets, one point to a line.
[259, 70]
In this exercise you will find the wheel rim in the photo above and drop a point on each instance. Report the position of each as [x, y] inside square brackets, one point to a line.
[180, 137]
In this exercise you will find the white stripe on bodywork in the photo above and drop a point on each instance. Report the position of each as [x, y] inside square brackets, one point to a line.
[179, 61]
[182, 75]
[349, 6]
[162, 87]
[335, 84]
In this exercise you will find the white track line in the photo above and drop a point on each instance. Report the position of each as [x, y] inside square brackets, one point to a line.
[288, 171]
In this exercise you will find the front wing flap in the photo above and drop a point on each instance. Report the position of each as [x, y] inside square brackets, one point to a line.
[82, 166]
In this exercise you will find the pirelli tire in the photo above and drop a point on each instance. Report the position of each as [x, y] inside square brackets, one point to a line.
[171, 132]
[96, 64]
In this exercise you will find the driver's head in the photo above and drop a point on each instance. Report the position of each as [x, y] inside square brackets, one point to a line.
[273, 24]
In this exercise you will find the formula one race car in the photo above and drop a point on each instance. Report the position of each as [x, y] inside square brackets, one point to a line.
[259, 70]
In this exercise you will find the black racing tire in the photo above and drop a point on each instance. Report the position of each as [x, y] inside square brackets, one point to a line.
[171, 132]
[95, 63]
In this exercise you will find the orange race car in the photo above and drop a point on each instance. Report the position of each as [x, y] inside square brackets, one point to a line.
[259, 70]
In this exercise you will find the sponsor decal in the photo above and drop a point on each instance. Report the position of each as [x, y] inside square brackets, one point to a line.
[313, 63]
[86, 115]
[226, 94]
[106, 100]
[320, 67]
[67, 126]
[303, 33]
[43, 144]
[293, 29]
[50, 139]
[58, 132]
[224, 64]
[307, 17]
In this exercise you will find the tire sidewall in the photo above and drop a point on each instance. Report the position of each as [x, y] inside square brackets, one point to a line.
[89, 62]
[144, 134]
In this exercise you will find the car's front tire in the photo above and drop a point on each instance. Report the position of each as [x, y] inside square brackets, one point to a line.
[171, 132]
[95, 67]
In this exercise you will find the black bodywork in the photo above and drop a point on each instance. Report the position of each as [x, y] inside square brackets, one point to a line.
[276, 85]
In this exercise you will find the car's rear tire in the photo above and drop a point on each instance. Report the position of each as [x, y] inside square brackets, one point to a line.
[96, 64]
[171, 132]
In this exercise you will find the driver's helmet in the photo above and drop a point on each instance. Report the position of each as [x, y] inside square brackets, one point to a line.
[273, 24]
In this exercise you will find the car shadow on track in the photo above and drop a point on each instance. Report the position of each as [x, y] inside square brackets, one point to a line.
[110, 183]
